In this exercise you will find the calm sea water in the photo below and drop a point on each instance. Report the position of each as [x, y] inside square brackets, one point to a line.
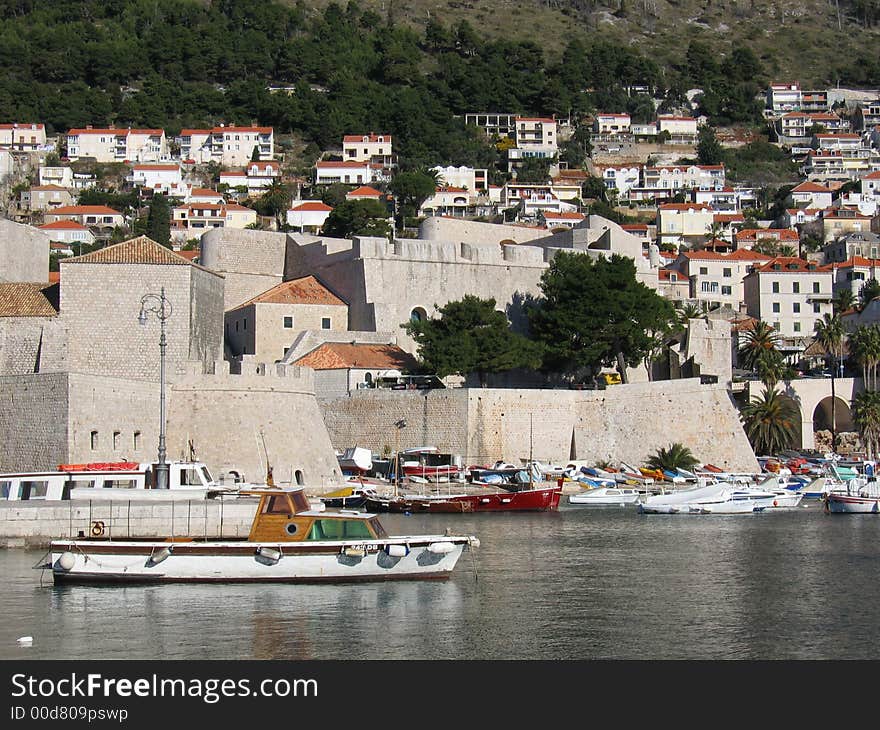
[576, 584]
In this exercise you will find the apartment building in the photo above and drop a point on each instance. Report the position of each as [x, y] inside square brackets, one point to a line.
[117, 145]
[227, 145]
[22, 137]
[374, 148]
[791, 295]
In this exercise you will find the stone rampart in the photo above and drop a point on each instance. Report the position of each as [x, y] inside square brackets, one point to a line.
[455, 229]
[623, 423]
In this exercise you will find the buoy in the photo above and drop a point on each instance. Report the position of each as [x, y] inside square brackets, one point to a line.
[160, 555]
[441, 548]
[269, 553]
[397, 551]
[775, 503]
[26, 640]
[67, 560]
[474, 542]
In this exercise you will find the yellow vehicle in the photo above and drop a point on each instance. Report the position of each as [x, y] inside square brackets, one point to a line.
[611, 378]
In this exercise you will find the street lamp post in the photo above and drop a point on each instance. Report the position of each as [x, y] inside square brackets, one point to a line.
[159, 305]
[400, 425]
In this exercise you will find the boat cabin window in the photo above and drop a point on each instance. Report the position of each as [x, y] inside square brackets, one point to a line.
[5, 486]
[300, 501]
[34, 490]
[338, 529]
[377, 527]
[81, 483]
[191, 477]
[277, 505]
[120, 483]
[206, 475]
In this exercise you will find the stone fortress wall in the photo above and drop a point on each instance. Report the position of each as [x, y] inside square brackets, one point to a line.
[52, 418]
[24, 252]
[625, 422]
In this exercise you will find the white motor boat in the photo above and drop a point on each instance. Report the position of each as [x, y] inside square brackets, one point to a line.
[289, 542]
[187, 480]
[606, 497]
[861, 497]
[678, 501]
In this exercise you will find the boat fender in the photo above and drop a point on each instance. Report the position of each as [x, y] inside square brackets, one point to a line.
[354, 552]
[775, 503]
[397, 551]
[441, 548]
[97, 528]
[161, 554]
[269, 553]
[67, 561]
[474, 541]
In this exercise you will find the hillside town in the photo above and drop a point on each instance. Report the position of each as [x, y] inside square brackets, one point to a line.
[311, 265]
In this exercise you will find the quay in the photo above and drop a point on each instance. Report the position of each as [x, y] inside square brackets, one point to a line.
[34, 524]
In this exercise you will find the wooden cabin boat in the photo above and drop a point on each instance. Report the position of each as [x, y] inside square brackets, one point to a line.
[527, 499]
[112, 480]
[288, 542]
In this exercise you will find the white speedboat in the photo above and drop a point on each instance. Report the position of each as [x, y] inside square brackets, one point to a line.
[606, 497]
[113, 480]
[288, 542]
[679, 500]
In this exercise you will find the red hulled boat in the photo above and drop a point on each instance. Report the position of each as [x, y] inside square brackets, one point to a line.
[536, 499]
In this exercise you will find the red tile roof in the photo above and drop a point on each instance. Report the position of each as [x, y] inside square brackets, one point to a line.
[370, 137]
[84, 210]
[345, 356]
[791, 265]
[28, 299]
[313, 206]
[63, 226]
[305, 290]
[364, 191]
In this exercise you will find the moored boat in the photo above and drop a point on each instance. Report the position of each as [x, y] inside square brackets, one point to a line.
[127, 480]
[606, 497]
[862, 496]
[537, 499]
[288, 542]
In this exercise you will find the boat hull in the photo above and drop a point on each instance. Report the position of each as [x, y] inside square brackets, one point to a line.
[851, 504]
[424, 557]
[528, 500]
[604, 497]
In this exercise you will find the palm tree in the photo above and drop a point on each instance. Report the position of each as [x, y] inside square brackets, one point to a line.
[829, 333]
[759, 352]
[844, 300]
[677, 456]
[866, 415]
[864, 344]
[770, 422]
[870, 290]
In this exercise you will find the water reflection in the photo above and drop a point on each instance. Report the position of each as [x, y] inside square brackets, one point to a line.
[571, 585]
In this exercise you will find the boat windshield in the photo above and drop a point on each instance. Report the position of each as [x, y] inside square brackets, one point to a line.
[377, 527]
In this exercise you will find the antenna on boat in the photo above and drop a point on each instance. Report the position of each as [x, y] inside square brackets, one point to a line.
[531, 460]
[270, 480]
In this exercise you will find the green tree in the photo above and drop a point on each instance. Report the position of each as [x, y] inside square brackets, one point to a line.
[864, 346]
[159, 220]
[357, 218]
[843, 301]
[410, 190]
[866, 416]
[868, 291]
[770, 422]
[471, 336]
[759, 352]
[677, 456]
[594, 312]
[533, 170]
[709, 150]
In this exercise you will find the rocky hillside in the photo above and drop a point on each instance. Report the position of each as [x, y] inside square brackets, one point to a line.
[816, 42]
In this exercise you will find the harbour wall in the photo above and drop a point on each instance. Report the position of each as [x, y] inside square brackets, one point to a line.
[622, 423]
[36, 524]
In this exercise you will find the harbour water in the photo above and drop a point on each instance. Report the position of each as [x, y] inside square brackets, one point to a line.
[580, 583]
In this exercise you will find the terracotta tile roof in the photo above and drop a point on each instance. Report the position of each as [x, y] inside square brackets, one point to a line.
[63, 226]
[140, 250]
[205, 193]
[155, 167]
[728, 217]
[84, 210]
[565, 215]
[697, 207]
[791, 265]
[364, 191]
[54, 277]
[28, 299]
[305, 290]
[344, 356]
[116, 132]
[544, 120]
[856, 261]
[738, 255]
[48, 187]
[810, 187]
[767, 234]
[323, 164]
[370, 137]
[313, 205]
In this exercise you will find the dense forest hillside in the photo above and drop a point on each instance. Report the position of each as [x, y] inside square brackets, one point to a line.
[409, 68]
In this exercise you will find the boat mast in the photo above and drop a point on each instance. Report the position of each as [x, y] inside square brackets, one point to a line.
[531, 460]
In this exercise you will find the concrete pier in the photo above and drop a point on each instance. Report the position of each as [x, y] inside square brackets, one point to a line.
[36, 524]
